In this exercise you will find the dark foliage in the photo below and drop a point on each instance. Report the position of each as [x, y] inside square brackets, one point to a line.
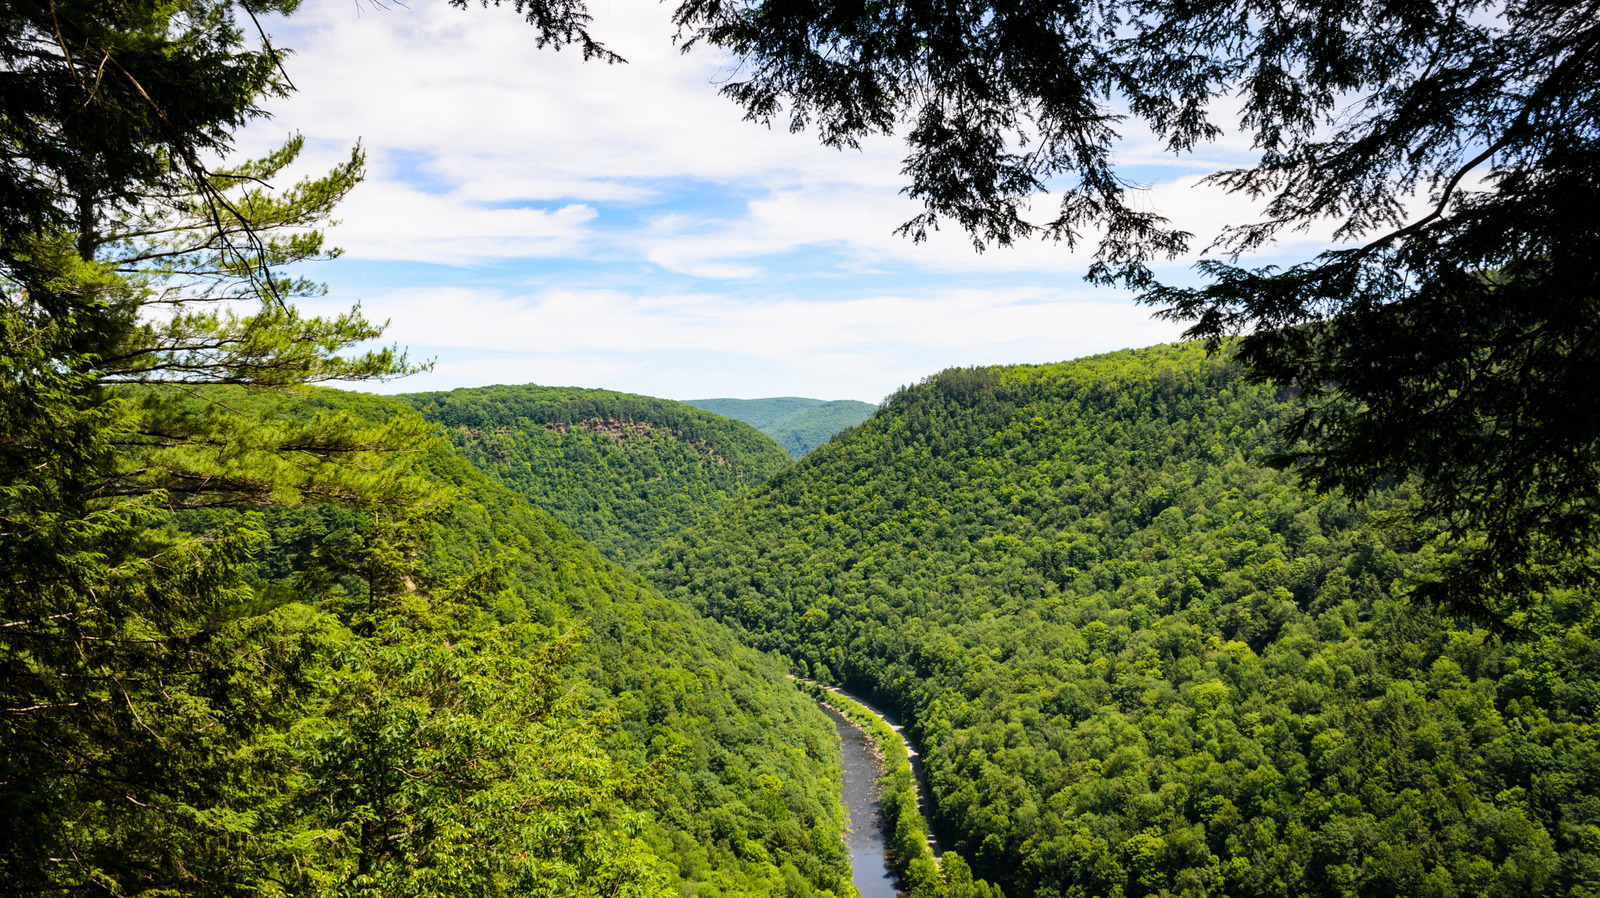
[560, 23]
[106, 105]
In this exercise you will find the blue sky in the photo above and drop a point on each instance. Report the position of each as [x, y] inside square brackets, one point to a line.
[531, 218]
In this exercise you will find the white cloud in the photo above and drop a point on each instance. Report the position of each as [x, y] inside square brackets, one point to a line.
[485, 150]
[859, 228]
[471, 105]
[861, 347]
[548, 369]
[462, 100]
[470, 88]
[390, 221]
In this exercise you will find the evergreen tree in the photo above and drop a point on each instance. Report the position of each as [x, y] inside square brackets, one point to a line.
[1457, 344]
[172, 719]
[143, 687]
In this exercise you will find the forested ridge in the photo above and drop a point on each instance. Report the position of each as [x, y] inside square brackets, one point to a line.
[623, 471]
[741, 792]
[798, 424]
[1140, 662]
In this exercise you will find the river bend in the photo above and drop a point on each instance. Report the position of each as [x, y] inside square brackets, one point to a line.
[860, 766]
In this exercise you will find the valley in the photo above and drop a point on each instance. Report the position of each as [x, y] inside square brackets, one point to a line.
[1139, 661]
[733, 774]
[1142, 663]
[1130, 658]
[1303, 607]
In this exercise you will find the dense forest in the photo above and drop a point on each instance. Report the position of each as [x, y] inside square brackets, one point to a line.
[1140, 662]
[737, 772]
[798, 424]
[623, 471]
[259, 639]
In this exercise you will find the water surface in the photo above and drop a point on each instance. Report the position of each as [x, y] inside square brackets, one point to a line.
[869, 849]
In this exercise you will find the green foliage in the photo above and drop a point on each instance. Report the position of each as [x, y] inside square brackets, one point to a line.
[143, 705]
[172, 720]
[144, 689]
[1501, 431]
[448, 758]
[623, 471]
[799, 425]
[1138, 662]
[744, 795]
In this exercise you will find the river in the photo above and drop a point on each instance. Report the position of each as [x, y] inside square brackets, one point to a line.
[869, 846]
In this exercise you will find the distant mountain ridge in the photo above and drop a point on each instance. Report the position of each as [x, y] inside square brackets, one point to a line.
[797, 423]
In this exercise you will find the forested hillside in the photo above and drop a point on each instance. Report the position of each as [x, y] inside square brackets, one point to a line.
[799, 425]
[1141, 663]
[623, 471]
[736, 771]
